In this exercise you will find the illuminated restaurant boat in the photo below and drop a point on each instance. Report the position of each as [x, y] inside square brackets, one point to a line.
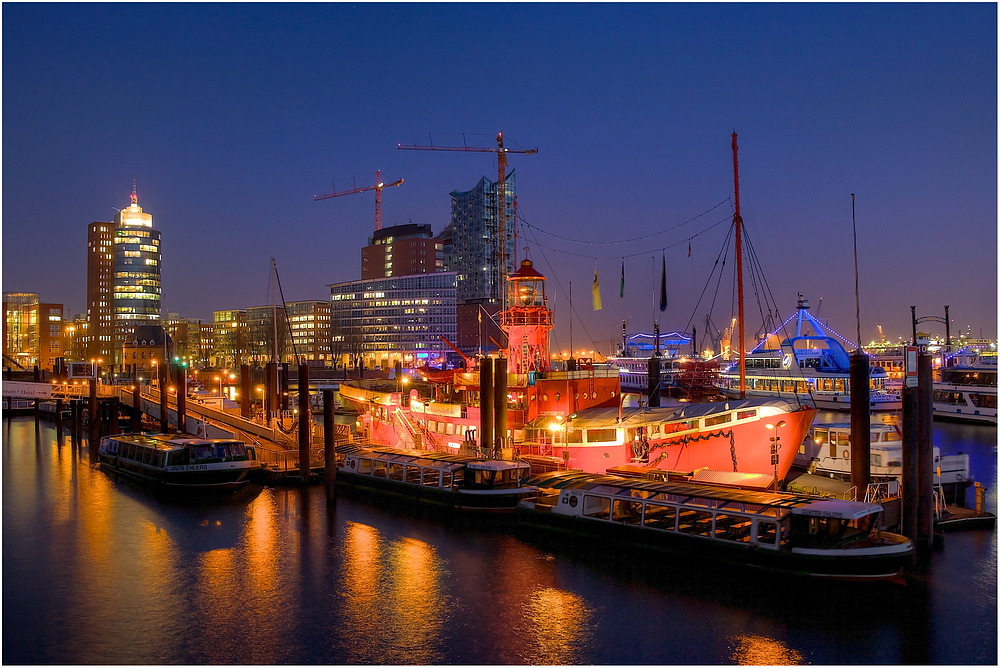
[443, 412]
[788, 533]
[811, 366]
[967, 390]
[179, 460]
[439, 479]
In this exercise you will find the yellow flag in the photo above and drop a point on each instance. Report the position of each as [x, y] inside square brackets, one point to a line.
[480, 316]
[597, 293]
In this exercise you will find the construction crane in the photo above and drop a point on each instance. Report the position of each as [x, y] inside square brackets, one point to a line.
[378, 195]
[501, 151]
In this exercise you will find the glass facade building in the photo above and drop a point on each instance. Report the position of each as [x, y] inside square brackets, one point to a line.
[137, 271]
[473, 255]
[402, 318]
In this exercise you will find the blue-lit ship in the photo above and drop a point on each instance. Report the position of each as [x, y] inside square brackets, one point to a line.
[811, 367]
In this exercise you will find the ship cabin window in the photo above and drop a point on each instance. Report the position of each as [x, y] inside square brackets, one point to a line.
[766, 532]
[659, 517]
[449, 429]
[431, 425]
[202, 452]
[602, 435]
[459, 476]
[222, 451]
[147, 454]
[733, 527]
[378, 469]
[629, 512]
[178, 458]
[446, 479]
[744, 415]
[396, 472]
[431, 477]
[575, 436]
[718, 419]
[694, 522]
[598, 507]
[365, 466]
[440, 428]
[413, 474]
[482, 478]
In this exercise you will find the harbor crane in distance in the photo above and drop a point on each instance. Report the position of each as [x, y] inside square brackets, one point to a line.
[501, 151]
[378, 195]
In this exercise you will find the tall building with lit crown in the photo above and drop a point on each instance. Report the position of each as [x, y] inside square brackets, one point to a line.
[401, 250]
[98, 338]
[137, 272]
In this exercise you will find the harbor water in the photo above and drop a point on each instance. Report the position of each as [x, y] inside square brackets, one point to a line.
[99, 571]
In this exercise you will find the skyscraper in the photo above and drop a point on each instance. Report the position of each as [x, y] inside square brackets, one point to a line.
[474, 253]
[98, 338]
[137, 272]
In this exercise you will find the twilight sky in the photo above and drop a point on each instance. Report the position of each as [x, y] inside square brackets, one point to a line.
[231, 117]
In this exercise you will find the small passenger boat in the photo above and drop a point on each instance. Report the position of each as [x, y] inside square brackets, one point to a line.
[179, 460]
[790, 533]
[435, 478]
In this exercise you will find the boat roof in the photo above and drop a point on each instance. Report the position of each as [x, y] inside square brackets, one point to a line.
[168, 441]
[448, 460]
[838, 508]
[876, 426]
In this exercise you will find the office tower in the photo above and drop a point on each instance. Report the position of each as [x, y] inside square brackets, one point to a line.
[32, 331]
[137, 272]
[474, 255]
[310, 325]
[401, 250]
[98, 337]
[229, 339]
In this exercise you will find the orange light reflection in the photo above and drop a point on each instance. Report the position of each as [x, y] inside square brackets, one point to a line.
[754, 650]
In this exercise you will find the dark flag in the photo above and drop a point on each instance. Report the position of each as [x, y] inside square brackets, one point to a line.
[663, 285]
[621, 292]
[689, 249]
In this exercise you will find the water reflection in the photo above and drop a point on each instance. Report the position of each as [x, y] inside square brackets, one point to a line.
[560, 626]
[751, 650]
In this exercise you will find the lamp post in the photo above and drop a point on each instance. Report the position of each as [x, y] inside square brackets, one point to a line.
[775, 448]
[220, 383]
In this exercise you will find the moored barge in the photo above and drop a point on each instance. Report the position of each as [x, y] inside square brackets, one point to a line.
[440, 479]
[788, 533]
[179, 460]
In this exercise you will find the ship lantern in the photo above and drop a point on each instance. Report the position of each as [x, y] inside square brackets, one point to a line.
[527, 321]
[526, 287]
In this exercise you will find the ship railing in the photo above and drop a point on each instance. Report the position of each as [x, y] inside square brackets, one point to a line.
[877, 492]
[851, 494]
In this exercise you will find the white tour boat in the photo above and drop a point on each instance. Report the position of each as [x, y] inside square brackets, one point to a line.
[968, 391]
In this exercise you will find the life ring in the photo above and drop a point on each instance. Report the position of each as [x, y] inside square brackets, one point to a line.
[847, 454]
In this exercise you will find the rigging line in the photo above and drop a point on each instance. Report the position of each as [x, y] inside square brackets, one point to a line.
[556, 276]
[624, 241]
[608, 257]
[708, 281]
[288, 323]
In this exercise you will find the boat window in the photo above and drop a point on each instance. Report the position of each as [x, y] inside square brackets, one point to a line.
[766, 532]
[694, 522]
[440, 427]
[378, 470]
[629, 512]
[202, 451]
[396, 472]
[449, 429]
[222, 451]
[431, 477]
[239, 449]
[891, 436]
[873, 437]
[413, 474]
[178, 458]
[459, 476]
[446, 480]
[602, 435]
[659, 517]
[743, 415]
[596, 506]
[718, 419]
[144, 458]
[365, 466]
[733, 527]
[483, 477]
[431, 425]
[575, 436]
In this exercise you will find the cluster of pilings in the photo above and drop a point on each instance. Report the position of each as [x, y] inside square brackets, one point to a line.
[918, 446]
[493, 433]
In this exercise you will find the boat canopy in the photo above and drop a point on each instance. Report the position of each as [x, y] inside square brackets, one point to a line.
[430, 458]
[607, 416]
[838, 508]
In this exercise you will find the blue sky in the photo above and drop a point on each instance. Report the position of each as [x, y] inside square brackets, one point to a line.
[231, 117]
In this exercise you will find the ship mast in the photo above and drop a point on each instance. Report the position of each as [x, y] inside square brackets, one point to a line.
[738, 222]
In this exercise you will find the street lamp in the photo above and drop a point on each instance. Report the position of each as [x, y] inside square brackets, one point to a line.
[220, 384]
[775, 448]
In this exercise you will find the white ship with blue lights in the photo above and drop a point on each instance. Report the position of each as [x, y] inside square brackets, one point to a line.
[811, 367]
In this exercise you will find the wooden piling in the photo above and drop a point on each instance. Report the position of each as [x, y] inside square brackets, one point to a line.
[925, 450]
[245, 393]
[500, 405]
[860, 424]
[93, 420]
[59, 411]
[304, 422]
[653, 381]
[283, 386]
[136, 409]
[163, 376]
[329, 443]
[114, 415]
[486, 405]
[38, 411]
[181, 398]
[911, 482]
